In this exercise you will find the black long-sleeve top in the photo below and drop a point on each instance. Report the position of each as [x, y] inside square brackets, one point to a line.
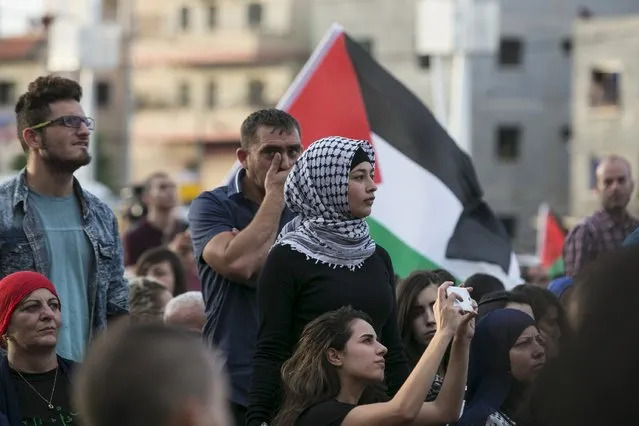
[292, 291]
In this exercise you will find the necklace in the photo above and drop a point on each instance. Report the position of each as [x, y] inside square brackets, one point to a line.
[55, 380]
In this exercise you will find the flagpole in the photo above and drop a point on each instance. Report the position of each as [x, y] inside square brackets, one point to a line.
[461, 91]
[542, 215]
[438, 85]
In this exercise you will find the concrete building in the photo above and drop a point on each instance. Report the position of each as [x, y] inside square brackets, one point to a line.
[521, 95]
[605, 103]
[23, 59]
[200, 67]
[20, 63]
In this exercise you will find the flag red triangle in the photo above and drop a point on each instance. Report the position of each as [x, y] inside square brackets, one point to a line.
[330, 102]
[553, 240]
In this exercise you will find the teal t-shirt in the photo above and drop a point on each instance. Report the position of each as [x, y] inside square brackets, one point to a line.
[71, 260]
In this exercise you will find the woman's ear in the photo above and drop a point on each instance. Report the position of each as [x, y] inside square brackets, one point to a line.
[334, 357]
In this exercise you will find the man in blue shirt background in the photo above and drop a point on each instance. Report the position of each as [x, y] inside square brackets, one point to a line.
[233, 228]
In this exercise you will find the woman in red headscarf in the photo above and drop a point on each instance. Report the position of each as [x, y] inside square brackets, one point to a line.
[35, 385]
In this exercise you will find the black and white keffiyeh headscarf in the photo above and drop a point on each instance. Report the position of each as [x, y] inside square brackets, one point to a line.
[317, 190]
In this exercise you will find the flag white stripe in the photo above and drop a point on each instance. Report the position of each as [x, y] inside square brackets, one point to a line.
[420, 210]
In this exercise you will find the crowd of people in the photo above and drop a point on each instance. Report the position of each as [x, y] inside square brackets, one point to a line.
[273, 304]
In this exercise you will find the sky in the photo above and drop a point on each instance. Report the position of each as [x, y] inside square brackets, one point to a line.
[15, 15]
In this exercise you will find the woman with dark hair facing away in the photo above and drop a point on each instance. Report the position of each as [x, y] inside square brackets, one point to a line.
[506, 354]
[165, 267]
[339, 355]
[322, 260]
[416, 297]
[504, 300]
[483, 284]
[549, 314]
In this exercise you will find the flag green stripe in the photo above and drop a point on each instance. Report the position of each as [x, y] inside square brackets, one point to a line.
[405, 259]
[557, 268]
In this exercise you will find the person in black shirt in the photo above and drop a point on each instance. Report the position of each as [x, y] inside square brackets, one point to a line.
[339, 356]
[35, 383]
[322, 260]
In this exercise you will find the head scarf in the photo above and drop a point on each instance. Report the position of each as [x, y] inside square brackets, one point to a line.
[560, 285]
[489, 378]
[14, 288]
[317, 190]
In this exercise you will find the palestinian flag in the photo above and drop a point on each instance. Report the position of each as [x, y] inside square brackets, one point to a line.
[429, 211]
[550, 241]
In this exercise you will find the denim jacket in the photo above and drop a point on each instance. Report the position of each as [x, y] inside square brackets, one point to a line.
[23, 247]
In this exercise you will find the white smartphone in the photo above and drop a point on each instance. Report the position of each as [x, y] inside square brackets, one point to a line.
[466, 304]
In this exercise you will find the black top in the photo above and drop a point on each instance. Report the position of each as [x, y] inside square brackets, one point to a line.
[33, 408]
[294, 290]
[16, 404]
[327, 413]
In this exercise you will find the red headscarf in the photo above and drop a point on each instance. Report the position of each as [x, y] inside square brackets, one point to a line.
[14, 288]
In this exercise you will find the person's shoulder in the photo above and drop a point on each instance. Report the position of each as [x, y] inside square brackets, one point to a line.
[285, 252]
[381, 251]
[8, 186]
[215, 198]
[327, 413]
[632, 239]
[7, 191]
[67, 363]
[99, 207]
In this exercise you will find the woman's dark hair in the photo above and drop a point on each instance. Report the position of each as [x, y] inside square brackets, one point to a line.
[541, 300]
[157, 255]
[407, 292]
[482, 285]
[308, 378]
[593, 380]
[498, 300]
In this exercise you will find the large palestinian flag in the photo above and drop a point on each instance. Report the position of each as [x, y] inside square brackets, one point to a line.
[429, 211]
[550, 241]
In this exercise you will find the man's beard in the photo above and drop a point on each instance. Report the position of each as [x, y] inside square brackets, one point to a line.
[62, 165]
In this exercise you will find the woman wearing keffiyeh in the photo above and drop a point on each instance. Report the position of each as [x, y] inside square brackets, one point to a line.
[321, 261]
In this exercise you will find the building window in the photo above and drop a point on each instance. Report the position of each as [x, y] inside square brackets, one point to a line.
[7, 93]
[510, 224]
[254, 15]
[592, 169]
[102, 94]
[424, 61]
[565, 133]
[511, 51]
[566, 46]
[508, 143]
[211, 95]
[256, 93]
[367, 45]
[212, 17]
[604, 88]
[184, 95]
[185, 15]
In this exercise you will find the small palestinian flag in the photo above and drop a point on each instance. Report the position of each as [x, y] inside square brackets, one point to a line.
[429, 211]
[550, 241]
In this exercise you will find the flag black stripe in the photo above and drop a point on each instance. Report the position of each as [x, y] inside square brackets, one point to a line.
[400, 118]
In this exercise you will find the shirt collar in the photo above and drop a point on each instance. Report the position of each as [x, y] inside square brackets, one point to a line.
[609, 223]
[21, 193]
[235, 186]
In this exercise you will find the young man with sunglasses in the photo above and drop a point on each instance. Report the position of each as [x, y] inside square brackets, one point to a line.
[50, 225]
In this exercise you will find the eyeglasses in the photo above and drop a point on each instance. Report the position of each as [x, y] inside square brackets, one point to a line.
[72, 121]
